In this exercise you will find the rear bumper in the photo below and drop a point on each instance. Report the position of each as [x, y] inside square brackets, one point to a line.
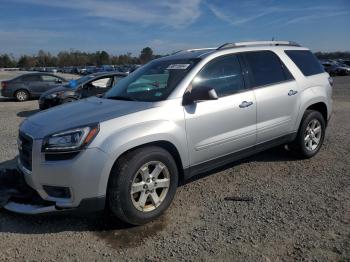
[6, 92]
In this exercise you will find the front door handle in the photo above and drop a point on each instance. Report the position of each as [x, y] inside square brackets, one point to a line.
[245, 104]
[292, 92]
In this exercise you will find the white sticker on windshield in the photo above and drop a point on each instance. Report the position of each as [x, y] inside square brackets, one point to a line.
[178, 66]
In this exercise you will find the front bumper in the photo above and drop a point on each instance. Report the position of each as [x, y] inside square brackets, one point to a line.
[82, 176]
[47, 103]
[18, 197]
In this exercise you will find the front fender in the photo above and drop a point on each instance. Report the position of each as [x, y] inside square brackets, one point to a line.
[118, 142]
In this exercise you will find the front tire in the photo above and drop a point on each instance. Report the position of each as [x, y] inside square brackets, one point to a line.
[310, 135]
[143, 184]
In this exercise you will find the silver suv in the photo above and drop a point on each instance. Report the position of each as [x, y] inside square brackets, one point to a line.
[173, 118]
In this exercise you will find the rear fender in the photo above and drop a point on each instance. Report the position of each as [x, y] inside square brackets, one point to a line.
[309, 97]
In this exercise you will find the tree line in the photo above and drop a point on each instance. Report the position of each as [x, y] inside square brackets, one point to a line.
[333, 55]
[98, 58]
[75, 58]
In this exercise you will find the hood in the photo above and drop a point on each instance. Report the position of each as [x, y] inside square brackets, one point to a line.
[80, 113]
[57, 88]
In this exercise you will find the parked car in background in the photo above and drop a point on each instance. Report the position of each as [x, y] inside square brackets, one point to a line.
[88, 70]
[30, 85]
[344, 67]
[51, 70]
[90, 85]
[346, 61]
[336, 68]
[66, 69]
[107, 68]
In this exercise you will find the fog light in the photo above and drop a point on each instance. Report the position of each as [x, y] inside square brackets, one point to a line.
[58, 192]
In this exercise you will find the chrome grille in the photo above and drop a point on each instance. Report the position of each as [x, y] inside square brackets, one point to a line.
[25, 145]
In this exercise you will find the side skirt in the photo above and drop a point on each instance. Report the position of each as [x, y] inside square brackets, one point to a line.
[224, 160]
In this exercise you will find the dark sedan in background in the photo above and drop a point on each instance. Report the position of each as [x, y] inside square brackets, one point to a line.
[30, 85]
[336, 68]
[90, 85]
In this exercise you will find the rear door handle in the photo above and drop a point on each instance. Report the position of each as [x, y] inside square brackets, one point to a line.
[292, 92]
[245, 104]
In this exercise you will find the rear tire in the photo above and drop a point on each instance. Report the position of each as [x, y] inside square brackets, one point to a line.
[142, 185]
[310, 135]
[22, 95]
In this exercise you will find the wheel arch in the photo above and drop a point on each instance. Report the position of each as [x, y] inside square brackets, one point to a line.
[21, 89]
[168, 146]
[165, 144]
[320, 107]
[314, 98]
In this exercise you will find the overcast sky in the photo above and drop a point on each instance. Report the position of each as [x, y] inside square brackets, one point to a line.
[168, 25]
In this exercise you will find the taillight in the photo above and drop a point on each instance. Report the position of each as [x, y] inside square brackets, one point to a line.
[331, 81]
[4, 85]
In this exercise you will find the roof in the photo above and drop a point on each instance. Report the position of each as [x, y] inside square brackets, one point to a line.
[203, 52]
[40, 73]
[111, 73]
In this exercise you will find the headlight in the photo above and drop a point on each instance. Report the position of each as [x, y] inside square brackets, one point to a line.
[70, 140]
[54, 95]
[50, 96]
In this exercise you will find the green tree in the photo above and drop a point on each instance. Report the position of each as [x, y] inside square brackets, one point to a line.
[26, 61]
[146, 55]
[7, 61]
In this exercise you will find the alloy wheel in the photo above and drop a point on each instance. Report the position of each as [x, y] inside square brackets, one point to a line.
[21, 95]
[313, 135]
[150, 186]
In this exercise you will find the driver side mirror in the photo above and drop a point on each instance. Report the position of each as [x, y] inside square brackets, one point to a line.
[200, 93]
[59, 81]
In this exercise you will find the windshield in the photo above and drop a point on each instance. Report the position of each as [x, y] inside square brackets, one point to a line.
[153, 81]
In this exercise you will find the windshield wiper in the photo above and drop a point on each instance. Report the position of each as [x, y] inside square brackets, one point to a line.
[125, 98]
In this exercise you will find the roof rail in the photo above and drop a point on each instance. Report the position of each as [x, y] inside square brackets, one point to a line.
[257, 43]
[194, 49]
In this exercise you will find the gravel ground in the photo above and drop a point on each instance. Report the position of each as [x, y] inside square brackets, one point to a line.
[300, 209]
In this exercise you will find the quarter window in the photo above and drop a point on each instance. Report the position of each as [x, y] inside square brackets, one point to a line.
[265, 68]
[223, 74]
[48, 78]
[306, 62]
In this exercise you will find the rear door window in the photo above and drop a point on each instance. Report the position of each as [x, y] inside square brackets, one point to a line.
[306, 62]
[31, 78]
[265, 68]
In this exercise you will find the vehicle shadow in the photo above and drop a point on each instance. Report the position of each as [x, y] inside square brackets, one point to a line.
[27, 113]
[12, 99]
[102, 224]
[5, 99]
[276, 154]
[10, 164]
[108, 228]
